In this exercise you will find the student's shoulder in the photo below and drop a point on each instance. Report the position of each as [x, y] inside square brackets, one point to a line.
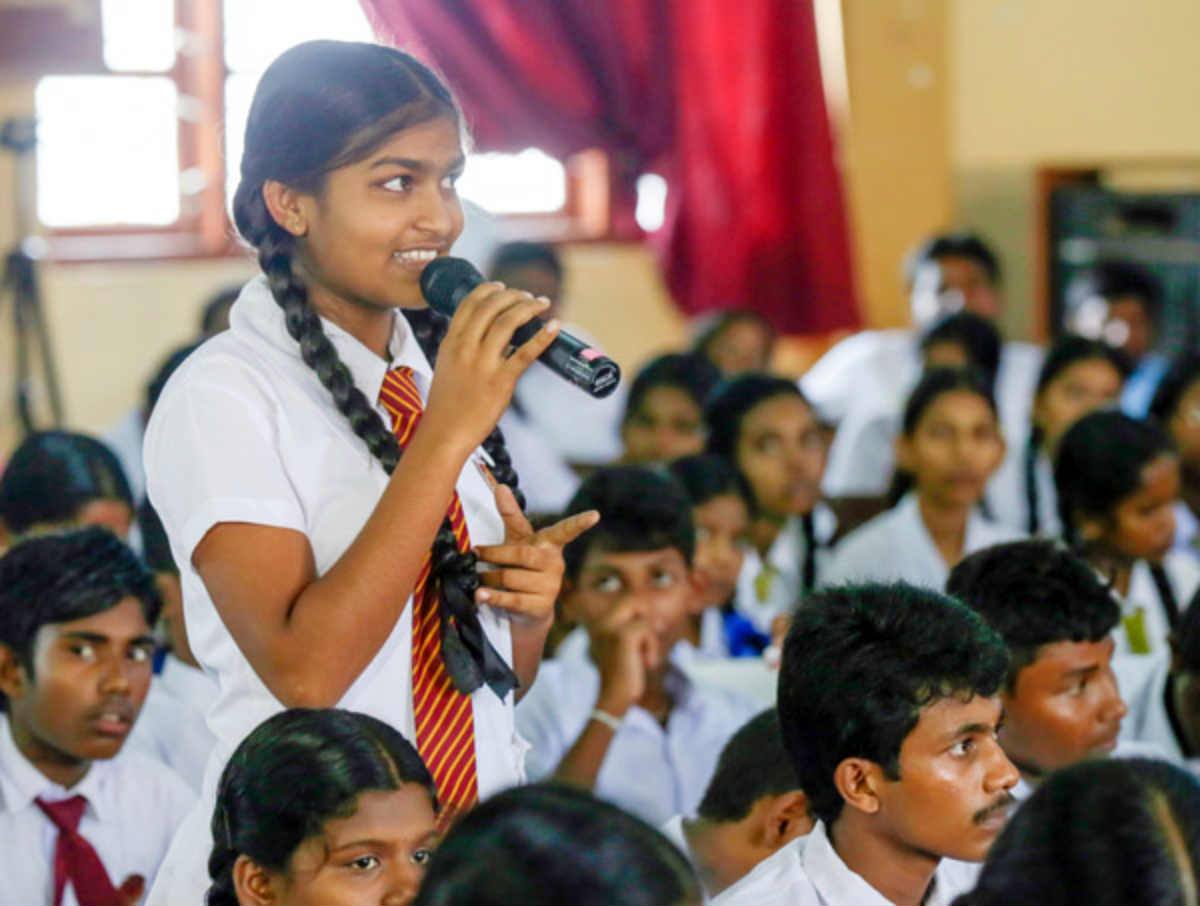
[143, 779]
[778, 879]
[874, 538]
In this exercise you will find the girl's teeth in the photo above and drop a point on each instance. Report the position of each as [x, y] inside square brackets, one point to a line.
[421, 255]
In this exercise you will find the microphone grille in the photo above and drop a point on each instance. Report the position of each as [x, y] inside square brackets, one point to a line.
[445, 281]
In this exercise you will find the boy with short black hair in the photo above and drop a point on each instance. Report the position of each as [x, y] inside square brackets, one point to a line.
[78, 823]
[752, 807]
[612, 711]
[889, 706]
[1061, 701]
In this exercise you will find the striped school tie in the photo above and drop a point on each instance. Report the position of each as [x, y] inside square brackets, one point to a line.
[444, 719]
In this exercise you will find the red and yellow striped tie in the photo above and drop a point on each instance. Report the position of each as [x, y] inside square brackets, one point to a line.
[444, 719]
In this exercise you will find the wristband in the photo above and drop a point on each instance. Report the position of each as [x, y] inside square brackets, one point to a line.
[609, 720]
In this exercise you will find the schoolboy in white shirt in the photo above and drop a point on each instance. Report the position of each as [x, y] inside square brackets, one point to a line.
[752, 807]
[1061, 701]
[889, 707]
[80, 820]
[625, 721]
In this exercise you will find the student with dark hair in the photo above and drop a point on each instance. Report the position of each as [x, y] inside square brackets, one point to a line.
[963, 340]
[172, 727]
[57, 479]
[721, 513]
[1118, 483]
[322, 806]
[1061, 700]
[767, 429]
[1120, 303]
[869, 375]
[1111, 833]
[1176, 408]
[664, 412]
[1077, 377]
[614, 711]
[546, 844]
[81, 819]
[752, 807]
[948, 448]
[1163, 693]
[889, 702]
[736, 340]
[343, 433]
[214, 315]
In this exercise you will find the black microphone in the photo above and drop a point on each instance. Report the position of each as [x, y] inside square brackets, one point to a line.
[446, 281]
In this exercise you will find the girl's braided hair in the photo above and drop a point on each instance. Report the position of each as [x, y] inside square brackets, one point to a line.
[307, 103]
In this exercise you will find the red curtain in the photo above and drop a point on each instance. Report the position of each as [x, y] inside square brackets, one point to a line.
[722, 99]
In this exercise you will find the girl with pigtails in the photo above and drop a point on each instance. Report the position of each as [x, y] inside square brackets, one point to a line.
[344, 512]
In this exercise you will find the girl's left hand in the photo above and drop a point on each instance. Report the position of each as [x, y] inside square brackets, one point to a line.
[529, 565]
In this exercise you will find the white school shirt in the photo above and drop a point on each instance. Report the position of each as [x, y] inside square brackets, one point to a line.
[809, 872]
[1187, 530]
[244, 432]
[171, 726]
[1008, 497]
[1183, 575]
[766, 590]
[862, 385]
[125, 440]
[896, 546]
[134, 807]
[544, 476]
[650, 770]
[1143, 685]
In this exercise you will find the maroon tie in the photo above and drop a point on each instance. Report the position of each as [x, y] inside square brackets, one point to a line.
[75, 860]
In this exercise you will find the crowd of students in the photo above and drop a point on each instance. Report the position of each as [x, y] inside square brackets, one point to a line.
[917, 628]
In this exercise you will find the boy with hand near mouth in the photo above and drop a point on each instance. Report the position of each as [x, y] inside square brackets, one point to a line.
[80, 825]
[1061, 701]
[889, 705]
[617, 715]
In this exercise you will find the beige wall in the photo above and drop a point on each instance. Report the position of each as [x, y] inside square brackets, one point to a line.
[1041, 81]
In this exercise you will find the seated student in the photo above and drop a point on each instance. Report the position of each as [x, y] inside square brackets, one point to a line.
[60, 478]
[736, 340]
[876, 370]
[1176, 408]
[1118, 484]
[554, 844]
[722, 518]
[664, 412]
[580, 429]
[767, 429]
[1061, 701]
[322, 806]
[127, 436]
[889, 705]
[172, 727]
[1120, 303]
[1163, 693]
[1077, 377]
[864, 444]
[81, 821]
[948, 448]
[1113, 832]
[752, 807]
[620, 717]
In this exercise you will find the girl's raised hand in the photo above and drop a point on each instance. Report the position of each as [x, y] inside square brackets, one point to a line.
[477, 368]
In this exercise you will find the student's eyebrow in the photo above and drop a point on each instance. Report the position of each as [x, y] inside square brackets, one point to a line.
[368, 842]
[81, 636]
[419, 166]
[974, 729]
[1080, 671]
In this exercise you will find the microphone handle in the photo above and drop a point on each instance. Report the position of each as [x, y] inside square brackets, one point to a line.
[572, 359]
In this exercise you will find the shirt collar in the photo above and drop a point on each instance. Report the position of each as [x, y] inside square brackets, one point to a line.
[835, 882]
[256, 313]
[21, 782]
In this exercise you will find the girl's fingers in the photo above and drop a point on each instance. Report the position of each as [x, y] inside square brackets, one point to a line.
[522, 580]
[516, 525]
[519, 603]
[540, 558]
[471, 320]
[527, 352]
[564, 532]
[518, 308]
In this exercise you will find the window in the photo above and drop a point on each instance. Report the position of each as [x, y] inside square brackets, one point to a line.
[140, 159]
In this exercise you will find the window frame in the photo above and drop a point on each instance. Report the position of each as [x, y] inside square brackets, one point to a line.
[204, 230]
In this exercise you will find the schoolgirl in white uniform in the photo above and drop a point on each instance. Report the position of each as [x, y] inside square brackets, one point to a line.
[1078, 377]
[949, 446]
[1118, 485]
[766, 428]
[321, 482]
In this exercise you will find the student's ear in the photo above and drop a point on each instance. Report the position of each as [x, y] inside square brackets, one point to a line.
[698, 584]
[857, 779]
[1001, 448]
[903, 450]
[14, 680]
[286, 207]
[787, 818]
[252, 883]
[1091, 528]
